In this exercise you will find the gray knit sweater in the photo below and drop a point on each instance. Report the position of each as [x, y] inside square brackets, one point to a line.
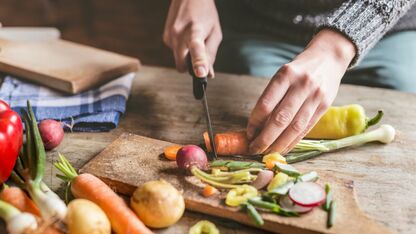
[364, 22]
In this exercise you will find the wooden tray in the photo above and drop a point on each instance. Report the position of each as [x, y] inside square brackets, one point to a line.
[63, 65]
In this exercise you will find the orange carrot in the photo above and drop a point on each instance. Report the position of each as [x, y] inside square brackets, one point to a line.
[171, 151]
[122, 218]
[228, 143]
[209, 191]
[19, 199]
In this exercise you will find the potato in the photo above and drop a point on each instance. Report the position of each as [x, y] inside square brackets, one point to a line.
[85, 217]
[158, 204]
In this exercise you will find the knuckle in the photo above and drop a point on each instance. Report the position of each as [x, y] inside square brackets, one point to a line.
[265, 105]
[299, 125]
[175, 31]
[325, 104]
[282, 118]
[307, 80]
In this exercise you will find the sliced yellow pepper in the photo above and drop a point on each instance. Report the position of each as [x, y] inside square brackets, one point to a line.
[342, 121]
[240, 195]
[278, 180]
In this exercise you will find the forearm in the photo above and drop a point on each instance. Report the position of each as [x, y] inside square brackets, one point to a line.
[365, 22]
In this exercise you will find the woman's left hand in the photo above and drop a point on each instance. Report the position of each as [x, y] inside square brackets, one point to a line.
[299, 94]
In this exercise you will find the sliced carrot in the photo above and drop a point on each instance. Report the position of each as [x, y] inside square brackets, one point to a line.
[19, 199]
[270, 164]
[171, 151]
[122, 218]
[207, 142]
[209, 191]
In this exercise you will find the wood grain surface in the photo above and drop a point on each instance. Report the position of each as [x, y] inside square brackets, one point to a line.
[161, 106]
[63, 65]
[132, 160]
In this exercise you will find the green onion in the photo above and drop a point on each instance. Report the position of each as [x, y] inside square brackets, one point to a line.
[331, 214]
[16, 221]
[236, 165]
[282, 189]
[307, 149]
[328, 198]
[287, 169]
[254, 215]
[311, 176]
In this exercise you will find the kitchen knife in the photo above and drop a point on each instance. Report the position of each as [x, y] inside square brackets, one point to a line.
[199, 90]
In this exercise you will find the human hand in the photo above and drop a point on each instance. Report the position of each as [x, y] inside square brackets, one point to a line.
[299, 94]
[193, 27]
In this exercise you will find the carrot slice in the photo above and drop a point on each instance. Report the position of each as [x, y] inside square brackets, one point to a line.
[207, 142]
[270, 164]
[209, 191]
[171, 151]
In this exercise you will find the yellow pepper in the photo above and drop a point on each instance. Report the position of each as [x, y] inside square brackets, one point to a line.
[278, 180]
[343, 121]
[240, 195]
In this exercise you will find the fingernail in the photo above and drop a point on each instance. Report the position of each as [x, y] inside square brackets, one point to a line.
[200, 71]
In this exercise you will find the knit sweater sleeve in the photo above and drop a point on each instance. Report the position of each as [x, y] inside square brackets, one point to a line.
[365, 22]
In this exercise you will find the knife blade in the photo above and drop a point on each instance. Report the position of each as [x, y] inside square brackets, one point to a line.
[199, 91]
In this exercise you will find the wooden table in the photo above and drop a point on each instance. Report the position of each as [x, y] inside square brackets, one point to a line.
[161, 106]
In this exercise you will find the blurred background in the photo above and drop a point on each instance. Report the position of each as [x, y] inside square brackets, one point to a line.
[130, 27]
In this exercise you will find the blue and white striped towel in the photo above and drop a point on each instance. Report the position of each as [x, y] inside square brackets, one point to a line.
[91, 111]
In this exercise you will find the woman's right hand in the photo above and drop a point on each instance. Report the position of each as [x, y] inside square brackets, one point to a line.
[193, 27]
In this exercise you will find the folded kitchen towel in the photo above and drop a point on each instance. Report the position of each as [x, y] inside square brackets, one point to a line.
[91, 111]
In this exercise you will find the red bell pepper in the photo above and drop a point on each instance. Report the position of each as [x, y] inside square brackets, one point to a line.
[11, 139]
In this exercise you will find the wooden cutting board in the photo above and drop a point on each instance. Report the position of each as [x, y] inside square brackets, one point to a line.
[63, 65]
[132, 160]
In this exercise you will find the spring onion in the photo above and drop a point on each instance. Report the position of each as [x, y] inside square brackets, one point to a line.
[17, 222]
[33, 158]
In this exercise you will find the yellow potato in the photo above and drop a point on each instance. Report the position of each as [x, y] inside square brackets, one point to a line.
[85, 217]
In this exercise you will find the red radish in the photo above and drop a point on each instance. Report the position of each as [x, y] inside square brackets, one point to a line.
[263, 179]
[51, 132]
[289, 205]
[191, 155]
[308, 194]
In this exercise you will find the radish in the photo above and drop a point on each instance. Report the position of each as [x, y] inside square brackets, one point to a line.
[307, 194]
[286, 203]
[191, 155]
[51, 132]
[263, 179]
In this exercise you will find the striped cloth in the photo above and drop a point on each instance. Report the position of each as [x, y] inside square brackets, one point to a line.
[91, 111]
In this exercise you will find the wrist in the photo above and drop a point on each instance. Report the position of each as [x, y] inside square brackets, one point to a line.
[334, 44]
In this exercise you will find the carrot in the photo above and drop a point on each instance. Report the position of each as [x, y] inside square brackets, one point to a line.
[209, 191]
[19, 199]
[270, 164]
[229, 143]
[87, 186]
[171, 151]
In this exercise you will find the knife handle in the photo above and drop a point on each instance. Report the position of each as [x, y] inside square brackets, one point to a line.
[198, 84]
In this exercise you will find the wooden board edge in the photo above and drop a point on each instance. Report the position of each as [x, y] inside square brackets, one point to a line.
[133, 66]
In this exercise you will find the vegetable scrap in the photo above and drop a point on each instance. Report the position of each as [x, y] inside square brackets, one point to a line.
[171, 151]
[204, 227]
